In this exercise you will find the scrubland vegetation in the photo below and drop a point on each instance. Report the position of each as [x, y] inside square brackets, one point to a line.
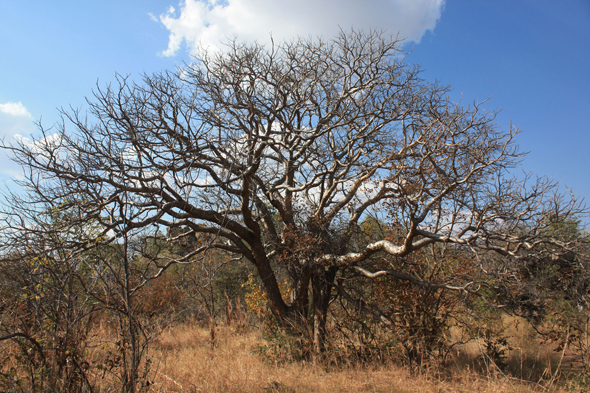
[311, 216]
[220, 336]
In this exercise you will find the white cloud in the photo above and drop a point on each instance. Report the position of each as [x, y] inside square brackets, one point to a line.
[209, 22]
[45, 147]
[9, 127]
[14, 109]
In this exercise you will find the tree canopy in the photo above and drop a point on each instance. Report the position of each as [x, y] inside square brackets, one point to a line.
[280, 154]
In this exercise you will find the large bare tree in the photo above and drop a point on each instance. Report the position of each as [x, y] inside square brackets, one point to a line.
[279, 153]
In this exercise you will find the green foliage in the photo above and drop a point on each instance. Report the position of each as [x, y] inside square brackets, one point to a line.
[557, 291]
[496, 347]
[282, 347]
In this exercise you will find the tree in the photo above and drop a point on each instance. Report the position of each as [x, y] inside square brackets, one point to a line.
[278, 153]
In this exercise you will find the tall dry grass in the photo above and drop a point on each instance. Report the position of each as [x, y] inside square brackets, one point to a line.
[187, 357]
[184, 360]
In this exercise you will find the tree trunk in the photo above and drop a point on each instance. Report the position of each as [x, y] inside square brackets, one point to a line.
[277, 305]
[322, 283]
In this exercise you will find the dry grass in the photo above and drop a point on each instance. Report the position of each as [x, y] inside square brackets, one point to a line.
[184, 361]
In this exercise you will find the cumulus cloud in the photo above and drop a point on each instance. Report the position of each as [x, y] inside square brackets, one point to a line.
[14, 109]
[208, 22]
[40, 146]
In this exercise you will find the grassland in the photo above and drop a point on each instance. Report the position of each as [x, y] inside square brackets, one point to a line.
[183, 359]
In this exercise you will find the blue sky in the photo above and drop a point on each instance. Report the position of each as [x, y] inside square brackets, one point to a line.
[531, 57]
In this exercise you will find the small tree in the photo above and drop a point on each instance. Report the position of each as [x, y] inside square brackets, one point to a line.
[280, 152]
[65, 301]
[47, 309]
